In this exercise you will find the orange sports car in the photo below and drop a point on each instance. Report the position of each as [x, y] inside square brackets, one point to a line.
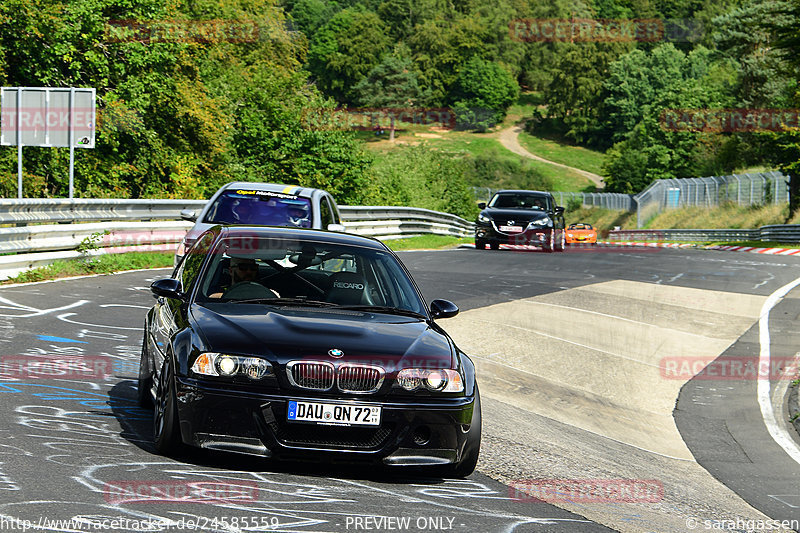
[581, 233]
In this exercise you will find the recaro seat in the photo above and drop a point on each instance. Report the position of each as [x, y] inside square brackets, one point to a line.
[348, 288]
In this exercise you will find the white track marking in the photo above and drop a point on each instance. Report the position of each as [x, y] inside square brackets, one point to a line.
[34, 311]
[778, 434]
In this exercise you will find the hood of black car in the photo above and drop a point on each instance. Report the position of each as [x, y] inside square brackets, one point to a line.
[291, 333]
[518, 214]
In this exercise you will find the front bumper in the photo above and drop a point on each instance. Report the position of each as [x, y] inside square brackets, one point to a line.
[578, 239]
[539, 236]
[412, 433]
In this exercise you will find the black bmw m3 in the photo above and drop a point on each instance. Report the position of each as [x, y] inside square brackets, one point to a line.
[305, 344]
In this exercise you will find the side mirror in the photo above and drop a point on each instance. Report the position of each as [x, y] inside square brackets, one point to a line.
[559, 210]
[188, 214]
[167, 287]
[336, 227]
[481, 205]
[443, 309]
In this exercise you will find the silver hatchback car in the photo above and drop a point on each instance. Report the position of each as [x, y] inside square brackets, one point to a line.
[265, 204]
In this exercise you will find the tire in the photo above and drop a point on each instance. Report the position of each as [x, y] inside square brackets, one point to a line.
[166, 427]
[472, 449]
[551, 242]
[562, 243]
[480, 244]
[494, 245]
[144, 398]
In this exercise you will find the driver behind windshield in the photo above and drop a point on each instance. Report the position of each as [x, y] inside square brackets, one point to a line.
[243, 270]
[243, 211]
[298, 216]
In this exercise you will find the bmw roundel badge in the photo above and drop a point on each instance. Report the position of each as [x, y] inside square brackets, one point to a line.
[335, 352]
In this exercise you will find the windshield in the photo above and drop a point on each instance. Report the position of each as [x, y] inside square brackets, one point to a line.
[519, 201]
[288, 271]
[242, 206]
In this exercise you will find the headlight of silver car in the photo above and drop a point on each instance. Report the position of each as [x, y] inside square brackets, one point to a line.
[484, 218]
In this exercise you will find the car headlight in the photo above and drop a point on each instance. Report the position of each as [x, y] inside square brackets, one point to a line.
[540, 222]
[483, 218]
[569, 235]
[226, 365]
[434, 380]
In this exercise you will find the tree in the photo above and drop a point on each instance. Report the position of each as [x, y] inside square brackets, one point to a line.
[482, 94]
[310, 15]
[746, 35]
[575, 95]
[637, 78]
[345, 50]
[391, 84]
[655, 149]
[184, 103]
[786, 153]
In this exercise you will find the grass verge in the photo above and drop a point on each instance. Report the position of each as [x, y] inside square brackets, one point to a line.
[602, 219]
[730, 216]
[426, 242]
[572, 156]
[101, 264]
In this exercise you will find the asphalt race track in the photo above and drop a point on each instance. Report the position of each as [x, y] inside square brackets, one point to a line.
[567, 347]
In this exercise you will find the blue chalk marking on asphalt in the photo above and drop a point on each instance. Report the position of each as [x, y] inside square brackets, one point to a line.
[50, 338]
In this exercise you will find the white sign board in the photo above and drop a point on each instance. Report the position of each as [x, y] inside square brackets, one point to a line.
[48, 116]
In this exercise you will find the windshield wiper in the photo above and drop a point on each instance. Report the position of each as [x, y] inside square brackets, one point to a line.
[286, 301]
[384, 309]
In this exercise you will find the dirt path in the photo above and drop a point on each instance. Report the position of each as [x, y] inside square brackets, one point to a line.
[509, 138]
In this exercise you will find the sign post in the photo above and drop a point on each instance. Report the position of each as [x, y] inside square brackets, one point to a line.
[48, 117]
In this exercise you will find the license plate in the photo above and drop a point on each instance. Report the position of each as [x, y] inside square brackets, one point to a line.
[511, 229]
[334, 413]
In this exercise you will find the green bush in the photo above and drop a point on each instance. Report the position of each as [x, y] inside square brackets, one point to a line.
[482, 94]
[419, 177]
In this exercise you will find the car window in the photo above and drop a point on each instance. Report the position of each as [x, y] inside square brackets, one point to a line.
[244, 206]
[309, 270]
[519, 201]
[189, 268]
[334, 211]
[325, 212]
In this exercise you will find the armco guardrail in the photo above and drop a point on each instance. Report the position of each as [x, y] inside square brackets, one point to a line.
[149, 225]
[788, 233]
[780, 233]
[57, 210]
[393, 221]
